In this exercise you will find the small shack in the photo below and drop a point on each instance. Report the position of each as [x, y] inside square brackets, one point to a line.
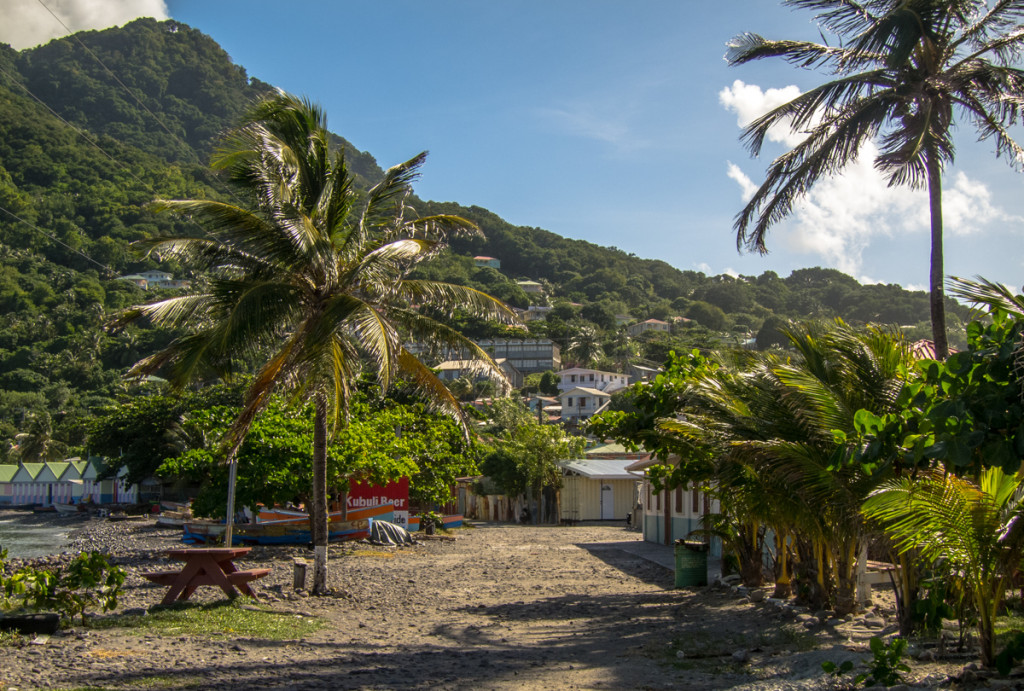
[597, 489]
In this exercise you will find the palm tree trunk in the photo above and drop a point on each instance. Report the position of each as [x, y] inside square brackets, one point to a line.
[783, 584]
[846, 579]
[937, 271]
[318, 512]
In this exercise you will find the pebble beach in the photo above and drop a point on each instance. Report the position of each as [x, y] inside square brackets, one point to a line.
[488, 607]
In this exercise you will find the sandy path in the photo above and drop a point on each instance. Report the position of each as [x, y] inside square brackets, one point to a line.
[500, 607]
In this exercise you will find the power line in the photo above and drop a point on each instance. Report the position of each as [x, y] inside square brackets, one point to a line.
[60, 242]
[188, 147]
[95, 57]
[80, 132]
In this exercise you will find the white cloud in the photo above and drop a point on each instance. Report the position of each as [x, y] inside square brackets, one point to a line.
[704, 268]
[729, 271]
[842, 215]
[749, 102]
[747, 186]
[967, 206]
[26, 23]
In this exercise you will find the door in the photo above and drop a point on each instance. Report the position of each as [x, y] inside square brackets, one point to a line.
[607, 502]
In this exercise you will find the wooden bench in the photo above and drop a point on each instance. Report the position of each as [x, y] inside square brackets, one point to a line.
[236, 577]
[209, 567]
[162, 577]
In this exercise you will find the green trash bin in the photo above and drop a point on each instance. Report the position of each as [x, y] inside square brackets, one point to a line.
[691, 563]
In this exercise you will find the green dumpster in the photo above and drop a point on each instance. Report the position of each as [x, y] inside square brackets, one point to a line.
[691, 563]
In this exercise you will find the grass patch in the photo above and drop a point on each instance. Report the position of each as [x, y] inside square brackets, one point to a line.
[235, 618]
[1007, 626]
[12, 639]
[371, 553]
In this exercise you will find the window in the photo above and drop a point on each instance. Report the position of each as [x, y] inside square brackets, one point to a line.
[572, 378]
[583, 401]
[591, 376]
[568, 401]
[696, 501]
[679, 500]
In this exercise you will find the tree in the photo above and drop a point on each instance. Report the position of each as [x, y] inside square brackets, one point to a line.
[904, 70]
[770, 333]
[584, 345]
[707, 315]
[973, 531]
[526, 453]
[312, 282]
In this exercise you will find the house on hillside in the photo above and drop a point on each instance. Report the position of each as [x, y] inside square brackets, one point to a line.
[482, 262]
[582, 403]
[531, 287]
[635, 330]
[138, 280]
[640, 373]
[534, 313]
[548, 405]
[592, 379]
[528, 355]
[154, 279]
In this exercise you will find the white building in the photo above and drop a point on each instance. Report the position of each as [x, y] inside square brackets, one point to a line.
[582, 402]
[591, 379]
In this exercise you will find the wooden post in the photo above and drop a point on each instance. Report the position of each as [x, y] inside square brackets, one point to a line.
[299, 574]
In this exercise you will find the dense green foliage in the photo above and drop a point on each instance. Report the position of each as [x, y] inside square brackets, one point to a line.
[81, 191]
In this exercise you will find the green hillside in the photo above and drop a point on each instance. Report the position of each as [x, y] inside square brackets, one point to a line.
[92, 127]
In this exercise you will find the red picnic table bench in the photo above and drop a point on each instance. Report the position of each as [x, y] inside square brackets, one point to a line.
[206, 566]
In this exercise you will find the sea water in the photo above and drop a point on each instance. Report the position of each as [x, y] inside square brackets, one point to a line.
[27, 537]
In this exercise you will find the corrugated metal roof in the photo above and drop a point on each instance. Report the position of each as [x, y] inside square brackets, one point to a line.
[584, 389]
[600, 468]
[7, 472]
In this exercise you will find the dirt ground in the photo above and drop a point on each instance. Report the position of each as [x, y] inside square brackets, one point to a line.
[497, 607]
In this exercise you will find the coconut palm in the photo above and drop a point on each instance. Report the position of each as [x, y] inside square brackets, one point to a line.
[311, 282]
[975, 531]
[38, 443]
[903, 70]
[584, 345]
[777, 429]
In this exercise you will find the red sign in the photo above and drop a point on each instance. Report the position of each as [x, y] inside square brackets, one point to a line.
[362, 495]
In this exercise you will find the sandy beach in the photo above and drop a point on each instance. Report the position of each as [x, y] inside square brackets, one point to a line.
[497, 607]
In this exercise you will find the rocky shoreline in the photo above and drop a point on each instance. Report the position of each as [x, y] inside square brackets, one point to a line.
[498, 607]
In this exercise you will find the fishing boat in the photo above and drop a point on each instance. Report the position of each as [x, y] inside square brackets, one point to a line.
[447, 522]
[282, 532]
[66, 509]
[279, 515]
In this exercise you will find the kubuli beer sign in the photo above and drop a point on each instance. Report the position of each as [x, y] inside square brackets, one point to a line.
[362, 495]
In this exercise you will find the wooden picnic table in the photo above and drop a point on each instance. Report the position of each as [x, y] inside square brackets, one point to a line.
[206, 566]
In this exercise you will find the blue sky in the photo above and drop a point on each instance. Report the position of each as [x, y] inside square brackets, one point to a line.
[610, 121]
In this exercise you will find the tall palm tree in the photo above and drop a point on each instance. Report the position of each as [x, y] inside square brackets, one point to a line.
[904, 69]
[311, 282]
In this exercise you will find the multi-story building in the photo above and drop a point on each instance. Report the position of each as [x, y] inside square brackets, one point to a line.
[528, 355]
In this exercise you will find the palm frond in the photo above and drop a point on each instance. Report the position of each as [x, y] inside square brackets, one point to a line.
[828, 149]
[988, 293]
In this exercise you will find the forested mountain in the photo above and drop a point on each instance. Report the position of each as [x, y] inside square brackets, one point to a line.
[95, 126]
